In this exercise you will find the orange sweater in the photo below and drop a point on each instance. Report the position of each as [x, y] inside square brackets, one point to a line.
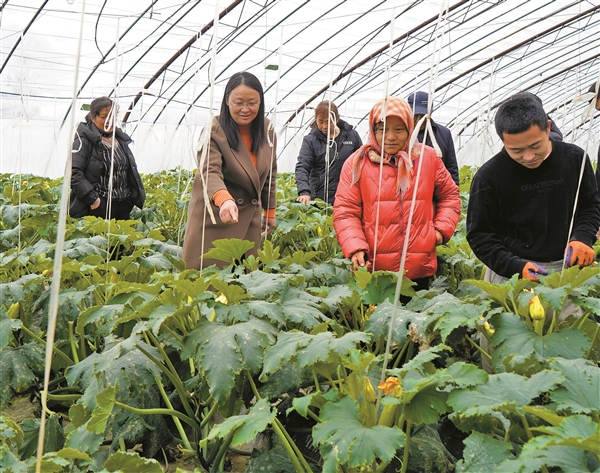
[223, 194]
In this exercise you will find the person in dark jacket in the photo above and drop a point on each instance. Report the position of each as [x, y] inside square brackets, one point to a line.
[596, 100]
[418, 102]
[318, 171]
[522, 199]
[96, 144]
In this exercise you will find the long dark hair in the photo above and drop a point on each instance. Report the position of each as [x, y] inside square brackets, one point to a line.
[230, 127]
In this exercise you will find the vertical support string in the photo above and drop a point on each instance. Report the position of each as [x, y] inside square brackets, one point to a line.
[58, 253]
[384, 112]
[413, 140]
[206, 132]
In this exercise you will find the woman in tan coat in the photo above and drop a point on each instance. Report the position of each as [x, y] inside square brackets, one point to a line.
[239, 178]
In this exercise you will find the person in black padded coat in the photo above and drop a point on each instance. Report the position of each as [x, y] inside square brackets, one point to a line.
[94, 146]
[315, 178]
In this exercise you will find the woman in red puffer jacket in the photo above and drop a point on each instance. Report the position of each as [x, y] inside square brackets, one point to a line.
[360, 198]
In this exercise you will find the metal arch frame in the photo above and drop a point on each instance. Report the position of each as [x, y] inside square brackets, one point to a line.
[367, 78]
[162, 35]
[528, 73]
[531, 86]
[372, 33]
[514, 47]
[368, 58]
[237, 57]
[229, 37]
[11, 52]
[95, 68]
[335, 33]
[451, 64]
[178, 53]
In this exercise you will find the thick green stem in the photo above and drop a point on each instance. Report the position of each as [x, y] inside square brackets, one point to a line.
[401, 354]
[583, 319]
[176, 421]
[158, 411]
[300, 463]
[589, 352]
[72, 343]
[64, 397]
[406, 448]
[58, 352]
[174, 378]
[209, 415]
[475, 345]
[316, 380]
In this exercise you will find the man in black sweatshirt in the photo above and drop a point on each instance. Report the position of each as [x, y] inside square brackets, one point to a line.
[522, 199]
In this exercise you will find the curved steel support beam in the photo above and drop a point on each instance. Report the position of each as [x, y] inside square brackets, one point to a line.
[368, 58]
[179, 52]
[93, 71]
[530, 86]
[37, 13]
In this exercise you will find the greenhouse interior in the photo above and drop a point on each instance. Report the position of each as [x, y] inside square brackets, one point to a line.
[300, 236]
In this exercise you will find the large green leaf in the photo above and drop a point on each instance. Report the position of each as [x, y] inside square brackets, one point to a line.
[19, 367]
[580, 391]
[502, 391]
[577, 431]
[10, 463]
[11, 434]
[454, 314]
[274, 460]
[245, 427]
[221, 352]
[122, 364]
[105, 401]
[229, 250]
[308, 350]
[514, 336]
[262, 285]
[482, 454]
[379, 322]
[344, 440]
[54, 437]
[536, 454]
[425, 389]
[7, 327]
[125, 462]
[300, 308]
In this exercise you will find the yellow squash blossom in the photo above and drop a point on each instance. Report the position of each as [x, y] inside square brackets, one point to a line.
[391, 386]
[536, 309]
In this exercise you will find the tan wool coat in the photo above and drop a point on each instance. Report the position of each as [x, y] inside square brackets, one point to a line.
[252, 187]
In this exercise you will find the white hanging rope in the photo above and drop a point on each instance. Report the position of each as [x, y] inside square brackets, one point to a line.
[591, 106]
[205, 137]
[111, 121]
[384, 112]
[271, 130]
[413, 139]
[56, 274]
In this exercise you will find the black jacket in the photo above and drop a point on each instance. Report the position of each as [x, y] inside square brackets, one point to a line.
[88, 165]
[310, 168]
[443, 136]
[516, 214]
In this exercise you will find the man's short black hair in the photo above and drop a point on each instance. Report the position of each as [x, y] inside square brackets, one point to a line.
[519, 113]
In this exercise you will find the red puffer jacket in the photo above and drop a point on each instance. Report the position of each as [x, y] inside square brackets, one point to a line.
[355, 211]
